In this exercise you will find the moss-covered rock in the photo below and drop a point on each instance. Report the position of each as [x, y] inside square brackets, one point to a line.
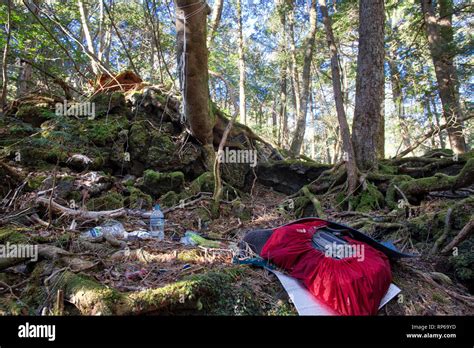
[109, 201]
[156, 183]
[34, 114]
[102, 132]
[108, 103]
[170, 199]
[139, 199]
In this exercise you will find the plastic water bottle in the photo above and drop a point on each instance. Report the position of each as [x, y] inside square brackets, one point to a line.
[157, 223]
[113, 228]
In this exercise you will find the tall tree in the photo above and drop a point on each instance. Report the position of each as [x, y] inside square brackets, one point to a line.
[242, 106]
[368, 118]
[282, 112]
[3, 98]
[215, 20]
[439, 32]
[192, 55]
[304, 92]
[349, 156]
[87, 34]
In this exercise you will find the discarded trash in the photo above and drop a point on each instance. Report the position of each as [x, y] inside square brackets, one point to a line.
[139, 235]
[187, 266]
[157, 223]
[112, 227]
[92, 234]
[193, 238]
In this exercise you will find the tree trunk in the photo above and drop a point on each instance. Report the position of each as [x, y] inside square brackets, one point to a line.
[216, 19]
[85, 28]
[369, 83]
[192, 58]
[295, 82]
[6, 49]
[303, 105]
[283, 115]
[349, 155]
[397, 92]
[243, 116]
[442, 143]
[440, 41]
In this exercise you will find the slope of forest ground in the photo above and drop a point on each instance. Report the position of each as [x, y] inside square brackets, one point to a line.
[61, 175]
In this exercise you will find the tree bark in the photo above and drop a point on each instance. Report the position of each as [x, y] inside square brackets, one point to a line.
[215, 21]
[283, 115]
[192, 58]
[442, 142]
[369, 97]
[242, 106]
[308, 57]
[3, 99]
[439, 32]
[396, 84]
[349, 156]
[85, 28]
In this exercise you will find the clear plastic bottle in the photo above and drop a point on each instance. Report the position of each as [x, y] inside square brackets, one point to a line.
[157, 223]
[113, 228]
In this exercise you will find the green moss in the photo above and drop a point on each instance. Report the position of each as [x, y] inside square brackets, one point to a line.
[156, 183]
[387, 169]
[240, 210]
[102, 132]
[170, 199]
[463, 262]
[108, 103]
[203, 183]
[139, 199]
[440, 298]
[203, 214]
[34, 114]
[369, 199]
[99, 298]
[13, 235]
[214, 293]
[161, 149]
[109, 201]
[34, 182]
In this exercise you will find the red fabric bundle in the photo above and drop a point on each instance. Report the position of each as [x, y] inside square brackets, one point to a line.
[351, 286]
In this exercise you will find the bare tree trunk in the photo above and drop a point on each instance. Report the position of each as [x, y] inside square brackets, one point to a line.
[312, 126]
[442, 142]
[87, 34]
[192, 58]
[397, 93]
[294, 67]
[308, 57]
[215, 20]
[283, 115]
[369, 84]
[242, 108]
[349, 156]
[6, 49]
[440, 39]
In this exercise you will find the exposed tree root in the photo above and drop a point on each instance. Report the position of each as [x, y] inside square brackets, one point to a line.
[93, 298]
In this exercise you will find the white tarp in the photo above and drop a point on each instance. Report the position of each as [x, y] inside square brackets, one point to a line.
[307, 304]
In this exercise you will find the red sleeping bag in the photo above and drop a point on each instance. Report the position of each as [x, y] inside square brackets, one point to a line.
[351, 286]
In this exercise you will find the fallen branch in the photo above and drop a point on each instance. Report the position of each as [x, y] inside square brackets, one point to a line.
[428, 135]
[447, 229]
[462, 235]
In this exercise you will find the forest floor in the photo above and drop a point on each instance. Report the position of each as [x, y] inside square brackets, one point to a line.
[49, 161]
